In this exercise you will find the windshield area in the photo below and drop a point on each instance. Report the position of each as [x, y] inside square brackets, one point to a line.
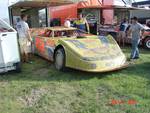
[69, 33]
[66, 33]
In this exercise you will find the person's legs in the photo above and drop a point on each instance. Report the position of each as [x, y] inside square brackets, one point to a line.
[28, 49]
[22, 52]
[123, 39]
[26, 57]
[28, 52]
[30, 57]
[135, 51]
[122, 36]
[25, 49]
[119, 38]
[22, 57]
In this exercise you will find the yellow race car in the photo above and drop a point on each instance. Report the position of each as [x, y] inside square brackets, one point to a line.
[68, 47]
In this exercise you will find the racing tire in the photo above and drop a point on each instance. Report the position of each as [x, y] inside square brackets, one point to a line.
[59, 59]
[147, 43]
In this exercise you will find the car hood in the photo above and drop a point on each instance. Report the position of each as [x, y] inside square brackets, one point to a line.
[96, 48]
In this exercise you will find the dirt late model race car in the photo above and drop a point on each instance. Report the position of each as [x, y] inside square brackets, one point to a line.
[67, 47]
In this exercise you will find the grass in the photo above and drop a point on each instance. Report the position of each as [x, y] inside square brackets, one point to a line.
[42, 89]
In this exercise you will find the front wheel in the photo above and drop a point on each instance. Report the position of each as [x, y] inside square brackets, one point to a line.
[147, 43]
[60, 59]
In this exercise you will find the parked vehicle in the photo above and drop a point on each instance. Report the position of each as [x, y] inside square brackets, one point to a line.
[69, 48]
[9, 52]
[146, 39]
[145, 42]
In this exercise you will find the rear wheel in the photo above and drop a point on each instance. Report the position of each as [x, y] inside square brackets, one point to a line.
[18, 67]
[60, 59]
[147, 43]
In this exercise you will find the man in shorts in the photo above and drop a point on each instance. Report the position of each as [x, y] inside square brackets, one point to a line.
[25, 39]
[122, 32]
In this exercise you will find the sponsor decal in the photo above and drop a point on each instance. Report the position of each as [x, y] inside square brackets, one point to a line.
[78, 44]
[40, 46]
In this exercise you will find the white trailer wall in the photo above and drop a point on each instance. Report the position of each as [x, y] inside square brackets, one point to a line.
[4, 13]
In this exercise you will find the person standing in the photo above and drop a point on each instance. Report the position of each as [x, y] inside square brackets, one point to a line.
[122, 32]
[25, 39]
[137, 30]
[82, 24]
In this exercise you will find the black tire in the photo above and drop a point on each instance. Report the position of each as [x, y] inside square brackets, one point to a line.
[18, 67]
[147, 43]
[60, 59]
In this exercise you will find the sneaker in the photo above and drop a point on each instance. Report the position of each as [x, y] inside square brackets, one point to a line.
[29, 62]
[128, 59]
[131, 59]
[136, 57]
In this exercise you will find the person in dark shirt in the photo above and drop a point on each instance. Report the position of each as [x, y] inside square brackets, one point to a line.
[122, 32]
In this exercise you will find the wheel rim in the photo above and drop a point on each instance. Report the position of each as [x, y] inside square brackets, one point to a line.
[59, 60]
[148, 44]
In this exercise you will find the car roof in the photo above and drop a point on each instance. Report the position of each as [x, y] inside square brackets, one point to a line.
[61, 28]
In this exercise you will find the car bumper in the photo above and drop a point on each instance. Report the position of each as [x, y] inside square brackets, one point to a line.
[100, 66]
[106, 70]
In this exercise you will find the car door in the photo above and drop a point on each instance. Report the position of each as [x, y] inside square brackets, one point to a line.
[45, 45]
[40, 46]
[50, 47]
[51, 44]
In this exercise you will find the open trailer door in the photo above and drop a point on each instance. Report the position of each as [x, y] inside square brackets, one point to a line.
[33, 8]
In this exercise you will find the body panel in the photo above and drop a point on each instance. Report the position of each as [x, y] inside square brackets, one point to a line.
[94, 55]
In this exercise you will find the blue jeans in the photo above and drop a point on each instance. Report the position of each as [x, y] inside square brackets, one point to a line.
[135, 50]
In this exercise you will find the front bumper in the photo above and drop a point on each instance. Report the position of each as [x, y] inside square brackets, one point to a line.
[100, 65]
[106, 70]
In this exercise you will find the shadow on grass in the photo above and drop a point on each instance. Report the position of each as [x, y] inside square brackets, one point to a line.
[68, 75]
[51, 74]
[41, 70]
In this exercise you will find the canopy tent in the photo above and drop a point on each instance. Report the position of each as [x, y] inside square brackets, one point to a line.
[43, 3]
[90, 4]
